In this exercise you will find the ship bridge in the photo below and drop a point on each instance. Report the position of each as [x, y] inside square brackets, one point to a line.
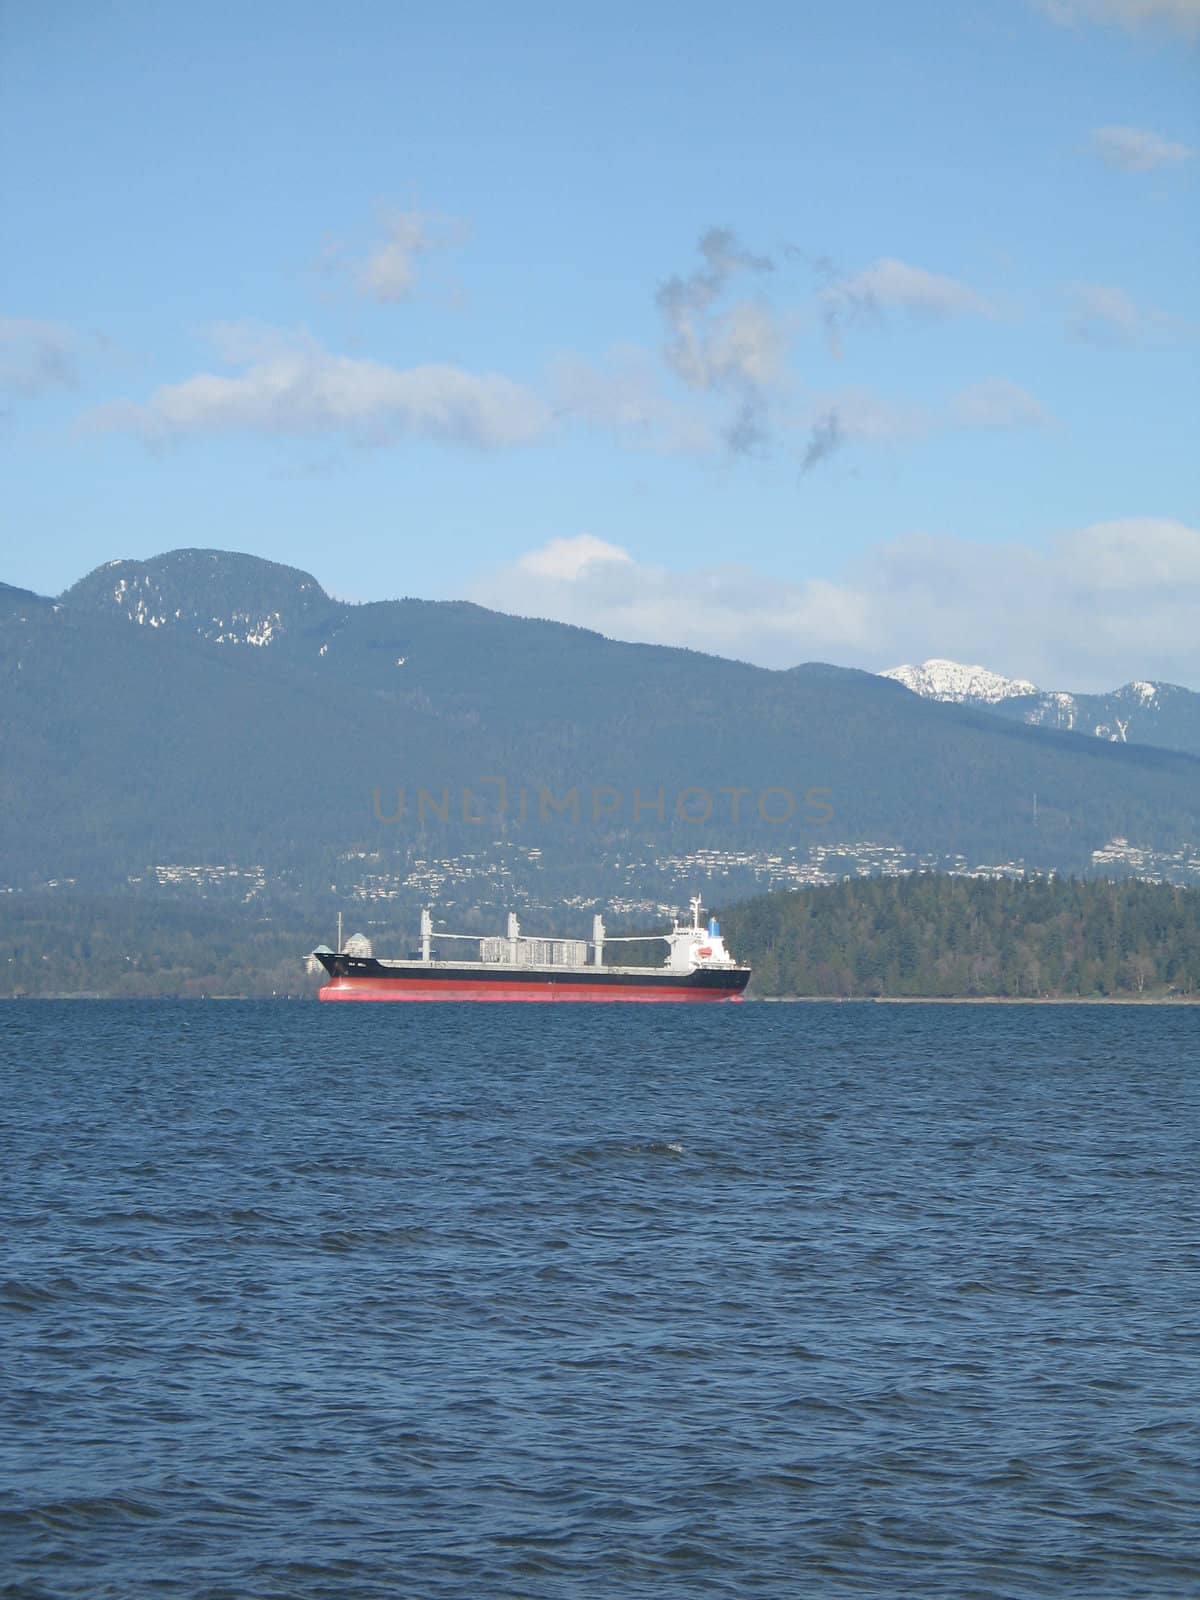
[697, 945]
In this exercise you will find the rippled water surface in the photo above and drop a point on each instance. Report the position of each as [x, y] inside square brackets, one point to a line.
[305, 1301]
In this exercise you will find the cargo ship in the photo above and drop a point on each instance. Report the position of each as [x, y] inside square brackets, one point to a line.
[697, 967]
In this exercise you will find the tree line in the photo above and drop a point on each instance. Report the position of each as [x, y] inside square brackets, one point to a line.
[929, 936]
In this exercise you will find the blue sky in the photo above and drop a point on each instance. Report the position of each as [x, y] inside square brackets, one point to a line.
[861, 333]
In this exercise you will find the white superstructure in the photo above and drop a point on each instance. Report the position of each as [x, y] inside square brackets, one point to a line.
[697, 945]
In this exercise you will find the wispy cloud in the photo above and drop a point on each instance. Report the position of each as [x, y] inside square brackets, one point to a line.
[36, 356]
[1172, 16]
[861, 416]
[1101, 314]
[891, 285]
[844, 417]
[390, 271]
[739, 349]
[997, 403]
[1104, 603]
[824, 440]
[700, 352]
[1137, 149]
[291, 386]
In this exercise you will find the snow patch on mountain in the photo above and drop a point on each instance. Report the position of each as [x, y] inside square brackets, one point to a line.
[937, 679]
[150, 609]
[1139, 712]
[1053, 710]
[225, 597]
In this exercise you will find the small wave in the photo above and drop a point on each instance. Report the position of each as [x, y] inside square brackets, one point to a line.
[341, 1240]
[91, 1511]
[16, 1295]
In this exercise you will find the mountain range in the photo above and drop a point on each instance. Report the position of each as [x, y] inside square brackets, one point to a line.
[210, 725]
[1163, 714]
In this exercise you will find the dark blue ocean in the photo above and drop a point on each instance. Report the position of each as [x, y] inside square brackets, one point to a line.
[484, 1302]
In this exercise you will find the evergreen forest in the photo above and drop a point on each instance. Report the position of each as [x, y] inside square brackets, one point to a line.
[927, 937]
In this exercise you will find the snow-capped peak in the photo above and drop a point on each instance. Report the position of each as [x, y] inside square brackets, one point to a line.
[952, 680]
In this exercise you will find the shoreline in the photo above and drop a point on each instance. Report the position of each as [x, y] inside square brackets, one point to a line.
[974, 1000]
[760, 999]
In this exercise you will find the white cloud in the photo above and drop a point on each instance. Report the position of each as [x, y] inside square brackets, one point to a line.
[1141, 555]
[744, 345]
[291, 386]
[727, 610]
[1101, 314]
[1178, 16]
[36, 356]
[390, 272]
[749, 344]
[568, 559]
[896, 285]
[997, 403]
[1137, 149]
[1099, 606]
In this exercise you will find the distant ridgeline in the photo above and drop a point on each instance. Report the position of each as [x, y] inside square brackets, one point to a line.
[924, 936]
[206, 726]
[931, 937]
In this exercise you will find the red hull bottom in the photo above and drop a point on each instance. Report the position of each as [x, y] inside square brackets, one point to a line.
[366, 989]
